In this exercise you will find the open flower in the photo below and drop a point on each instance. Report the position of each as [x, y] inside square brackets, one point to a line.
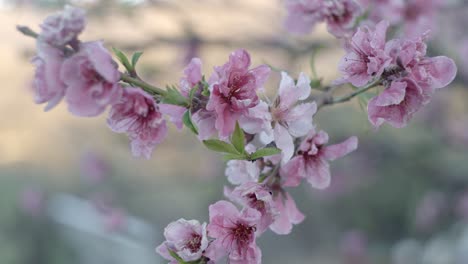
[242, 171]
[291, 119]
[186, 238]
[311, 161]
[396, 104]
[92, 80]
[255, 196]
[234, 90]
[138, 115]
[47, 85]
[340, 16]
[288, 214]
[234, 233]
[61, 28]
[303, 15]
[366, 58]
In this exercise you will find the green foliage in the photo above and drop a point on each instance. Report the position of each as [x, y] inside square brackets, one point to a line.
[220, 146]
[187, 120]
[264, 152]
[238, 139]
[123, 59]
[173, 96]
[136, 56]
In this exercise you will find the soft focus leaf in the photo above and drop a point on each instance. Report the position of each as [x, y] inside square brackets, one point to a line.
[136, 56]
[264, 152]
[175, 256]
[238, 139]
[187, 119]
[174, 97]
[229, 157]
[123, 59]
[220, 146]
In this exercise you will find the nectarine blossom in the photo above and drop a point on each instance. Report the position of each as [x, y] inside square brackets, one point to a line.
[187, 238]
[311, 162]
[92, 80]
[234, 90]
[138, 115]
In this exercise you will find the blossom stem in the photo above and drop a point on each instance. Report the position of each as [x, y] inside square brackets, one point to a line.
[143, 85]
[329, 100]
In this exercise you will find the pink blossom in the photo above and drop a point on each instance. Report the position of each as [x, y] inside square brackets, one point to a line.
[340, 16]
[192, 77]
[63, 27]
[186, 238]
[234, 233]
[312, 158]
[291, 119]
[397, 104]
[288, 214]
[415, 16]
[242, 171]
[257, 120]
[205, 122]
[303, 15]
[419, 16]
[389, 10]
[411, 79]
[47, 85]
[92, 80]
[409, 59]
[434, 73]
[255, 196]
[366, 58]
[138, 115]
[233, 90]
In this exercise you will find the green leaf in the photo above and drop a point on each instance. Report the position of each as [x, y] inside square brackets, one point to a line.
[229, 156]
[206, 87]
[264, 152]
[123, 59]
[220, 146]
[193, 91]
[176, 257]
[173, 96]
[136, 56]
[187, 119]
[238, 139]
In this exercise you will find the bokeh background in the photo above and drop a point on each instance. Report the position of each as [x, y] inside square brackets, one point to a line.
[71, 192]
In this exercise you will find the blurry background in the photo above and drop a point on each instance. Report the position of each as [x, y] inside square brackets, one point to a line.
[71, 192]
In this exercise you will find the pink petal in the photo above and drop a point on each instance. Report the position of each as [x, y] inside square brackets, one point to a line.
[284, 141]
[339, 150]
[318, 173]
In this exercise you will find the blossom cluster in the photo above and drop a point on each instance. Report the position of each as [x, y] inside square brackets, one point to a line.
[271, 145]
[409, 76]
[339, 15]
[260, 183]
[344, 16]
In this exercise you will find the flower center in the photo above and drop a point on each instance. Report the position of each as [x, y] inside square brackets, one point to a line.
[194, 243]
[243, 233]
